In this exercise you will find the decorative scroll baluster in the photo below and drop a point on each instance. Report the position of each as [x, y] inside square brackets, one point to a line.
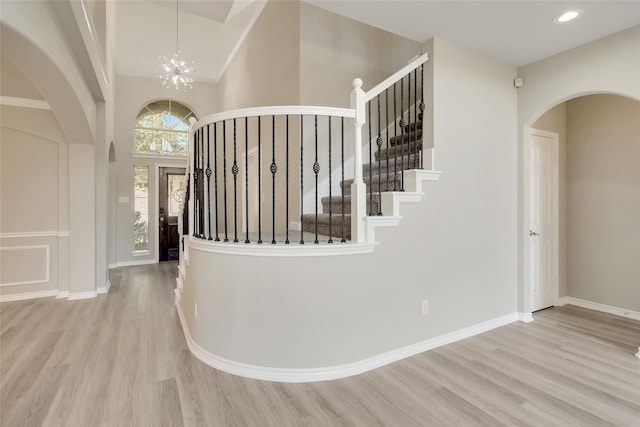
[274, 169]
[343, 240]
[330, 201]
[201, 213]
[215, 177]
[208, 173]
[234, 171]
[422, 107]
[286, 221]
[301, 179]
[246, 176]
[224, 176]
[259, 181]
[316, 169]
[379, 144]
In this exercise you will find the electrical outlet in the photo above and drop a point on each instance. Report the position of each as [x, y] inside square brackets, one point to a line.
[195, 310]
[425, 306]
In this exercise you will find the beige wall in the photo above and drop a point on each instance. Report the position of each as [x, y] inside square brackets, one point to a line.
[555, 120]
[603, 200]
[30, 145]
[265, 69]
[334, 50]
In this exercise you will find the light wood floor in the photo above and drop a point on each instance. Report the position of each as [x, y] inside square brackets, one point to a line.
[121, 360]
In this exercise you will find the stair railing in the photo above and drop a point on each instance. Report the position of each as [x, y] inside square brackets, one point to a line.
[392, 103]
[267, 157]
[302, 140]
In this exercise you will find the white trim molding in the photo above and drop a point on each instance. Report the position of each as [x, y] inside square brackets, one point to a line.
[28, 295]
[82, 295]
[29, 234]
[132, 263]
[47, 261]
[525, 317]
[104, 289]
[340, 371]
[12, 101]
[635, 315]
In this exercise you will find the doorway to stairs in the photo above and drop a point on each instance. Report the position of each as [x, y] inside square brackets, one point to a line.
[170, 196]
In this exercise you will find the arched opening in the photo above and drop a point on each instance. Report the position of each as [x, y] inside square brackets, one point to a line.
[599, 199]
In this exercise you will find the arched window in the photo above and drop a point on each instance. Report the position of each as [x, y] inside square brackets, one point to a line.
[161, 128]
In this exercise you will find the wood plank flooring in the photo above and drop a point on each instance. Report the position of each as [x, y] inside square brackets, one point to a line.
[121, 360]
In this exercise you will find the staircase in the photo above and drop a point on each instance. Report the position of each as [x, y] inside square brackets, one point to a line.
[403, 154]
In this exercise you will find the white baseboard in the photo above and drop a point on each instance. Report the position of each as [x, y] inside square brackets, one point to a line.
[339, 371]
[63, 294]
[132, 263]
[82, 295]
[28, 295]
[525, 317]
[600, 307]
[112, 266]
[104, 289]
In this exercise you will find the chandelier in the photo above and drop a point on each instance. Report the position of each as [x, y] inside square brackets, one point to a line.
[175, 72]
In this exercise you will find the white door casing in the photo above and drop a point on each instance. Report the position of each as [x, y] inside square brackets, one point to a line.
[543, 219]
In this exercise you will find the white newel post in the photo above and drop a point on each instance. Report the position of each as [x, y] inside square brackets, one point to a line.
[358, 189]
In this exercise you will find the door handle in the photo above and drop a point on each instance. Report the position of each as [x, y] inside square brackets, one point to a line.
[533, 233]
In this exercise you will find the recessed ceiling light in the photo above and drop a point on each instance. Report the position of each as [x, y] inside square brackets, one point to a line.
[567, 16]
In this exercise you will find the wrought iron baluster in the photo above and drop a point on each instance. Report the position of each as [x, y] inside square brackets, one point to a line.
[386, 123]
[330, 201]
[402, 130]
[215, 177]
[422, 108]
[395, 135]
[208, 173]
[370, 185]
[286, 221]
[224, 176]
[195, 184]
[259, 180]
[408, 124]
[234, 171]
[316, 169]
[201, 213]
[274, 169]
[246, 176]
[379, 144]
[415, 116]
[301, 179]
[343, 240]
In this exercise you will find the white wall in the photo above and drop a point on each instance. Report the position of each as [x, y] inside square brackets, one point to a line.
[609, 65]
[603, 200]
[132, 94]
[457, 248]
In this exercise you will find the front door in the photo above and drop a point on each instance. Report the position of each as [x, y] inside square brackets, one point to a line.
[543, 219]
[170, 192]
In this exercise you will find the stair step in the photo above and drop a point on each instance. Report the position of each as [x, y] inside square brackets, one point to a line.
[410, 148]
[406, 138]
[336, 204]
[309, 224]
[413, 126]
[395, 164]
[394, 183]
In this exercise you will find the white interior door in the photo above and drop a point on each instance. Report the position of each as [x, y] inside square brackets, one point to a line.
[543, 219]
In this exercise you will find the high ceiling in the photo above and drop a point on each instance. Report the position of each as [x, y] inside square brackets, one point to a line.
[515, 32]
